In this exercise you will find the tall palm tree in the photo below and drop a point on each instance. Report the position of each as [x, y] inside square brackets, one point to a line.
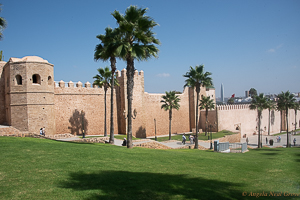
[137, 42]
[271, 105]
[195, 79]
[207, 104]
[260, 103]
[103, 79]
[107, 49]
[171, 101]
[284, 103]
[2, 23]
[296, 107]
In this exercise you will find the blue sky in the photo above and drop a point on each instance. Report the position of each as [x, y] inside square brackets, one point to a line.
[244, 44]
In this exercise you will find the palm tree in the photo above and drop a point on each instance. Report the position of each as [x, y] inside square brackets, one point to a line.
[2, 23]
[138, 42]
[103, 79]
[107, 49]
[170, 101]
[207, 104]
[230, 101]
[285, 102]
[259, 103]
[271, 105]
[195, 79]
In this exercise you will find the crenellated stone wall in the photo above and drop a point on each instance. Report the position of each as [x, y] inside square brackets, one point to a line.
[29, 100]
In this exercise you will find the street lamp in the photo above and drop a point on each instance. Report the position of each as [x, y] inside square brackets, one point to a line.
[211, 126]
[134, 114]
[155, 129]
[82, 116]
[295, 124]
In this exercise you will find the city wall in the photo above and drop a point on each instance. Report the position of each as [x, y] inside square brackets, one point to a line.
[241, 118]
[82, 105]
[70, 107]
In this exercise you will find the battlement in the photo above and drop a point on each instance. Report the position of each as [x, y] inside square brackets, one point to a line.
[233, 107]
[70, 84]
[123, 73]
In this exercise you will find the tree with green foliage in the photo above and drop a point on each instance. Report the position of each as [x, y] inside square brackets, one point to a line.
[207, 104]
[107, 50]
[103, 79]
[230, 101]
[259, 103]
[2, 24]
[196, 78]
[285, 102]
[137, 43]
[271, 105]
[252, 92]
[170, 101]
[1, 57]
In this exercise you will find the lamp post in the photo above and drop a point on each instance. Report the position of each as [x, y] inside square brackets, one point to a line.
[155, 129]
[295, 124]
[211, 126]
[134, 114]
[82, 116]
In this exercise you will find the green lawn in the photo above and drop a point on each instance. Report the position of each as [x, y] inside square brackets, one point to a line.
[33, 168]
[201, 136]
[290, 131]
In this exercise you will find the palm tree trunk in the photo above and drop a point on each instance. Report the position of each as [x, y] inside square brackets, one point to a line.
[259, 142]
[269, 122]
[113, 69]
[206, 124]
[170, 123]
[130, 83]
[295, 121]
[105, 132]
[287, 128]
[196, 139]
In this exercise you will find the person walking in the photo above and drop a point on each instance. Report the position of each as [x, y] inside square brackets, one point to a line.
[266, 140]
[183, 138]
[247, 140]
[294, 140]
[191, 139]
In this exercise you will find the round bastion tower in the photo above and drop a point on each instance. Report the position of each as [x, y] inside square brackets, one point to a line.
[29, 94]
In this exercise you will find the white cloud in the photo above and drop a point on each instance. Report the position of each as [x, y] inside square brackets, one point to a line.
[163, 75]
[272, 50]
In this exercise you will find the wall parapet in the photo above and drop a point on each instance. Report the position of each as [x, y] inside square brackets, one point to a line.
[233, 107]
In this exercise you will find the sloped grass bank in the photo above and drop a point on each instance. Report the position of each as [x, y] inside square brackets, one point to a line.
[45, 169]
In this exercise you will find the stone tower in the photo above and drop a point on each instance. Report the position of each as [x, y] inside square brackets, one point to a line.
[29, 94]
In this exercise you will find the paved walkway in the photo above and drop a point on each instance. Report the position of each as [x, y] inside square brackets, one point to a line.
[253, 141]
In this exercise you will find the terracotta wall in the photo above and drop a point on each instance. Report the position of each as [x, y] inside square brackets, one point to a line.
[70, 101]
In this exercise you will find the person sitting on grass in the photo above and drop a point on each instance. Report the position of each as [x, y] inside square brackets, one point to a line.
[124, 142]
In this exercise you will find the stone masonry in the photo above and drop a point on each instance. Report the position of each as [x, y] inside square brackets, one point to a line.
[29, 100]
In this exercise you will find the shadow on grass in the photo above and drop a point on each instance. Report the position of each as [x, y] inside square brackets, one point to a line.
[143, 185]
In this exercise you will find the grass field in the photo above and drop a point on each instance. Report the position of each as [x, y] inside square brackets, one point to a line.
[46, 169]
